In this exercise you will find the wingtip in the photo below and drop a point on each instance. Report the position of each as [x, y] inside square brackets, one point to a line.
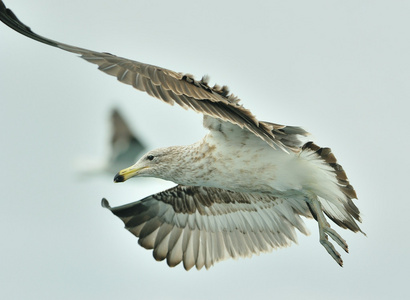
[105, 204]
[8, 17]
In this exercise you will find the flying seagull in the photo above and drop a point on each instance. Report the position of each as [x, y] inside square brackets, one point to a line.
[125, 148]
[241, 189]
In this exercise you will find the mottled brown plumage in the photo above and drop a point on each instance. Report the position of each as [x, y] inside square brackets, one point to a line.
[242, 189]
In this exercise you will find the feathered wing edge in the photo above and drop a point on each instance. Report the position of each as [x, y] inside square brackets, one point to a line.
[166, 85]
[200, 226]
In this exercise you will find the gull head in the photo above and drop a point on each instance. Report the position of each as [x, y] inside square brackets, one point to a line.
[156, 163]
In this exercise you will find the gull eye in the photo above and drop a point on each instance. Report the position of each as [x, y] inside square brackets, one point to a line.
[150, 157]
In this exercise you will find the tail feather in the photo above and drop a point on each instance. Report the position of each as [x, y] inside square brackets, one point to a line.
[345, 187]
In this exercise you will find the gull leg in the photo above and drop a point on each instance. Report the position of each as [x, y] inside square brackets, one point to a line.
[325, 231]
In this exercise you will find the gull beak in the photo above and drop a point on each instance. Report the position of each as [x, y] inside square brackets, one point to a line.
[127, 173]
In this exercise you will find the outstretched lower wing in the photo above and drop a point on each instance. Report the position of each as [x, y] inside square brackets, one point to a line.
[201, 226]
[166, 85]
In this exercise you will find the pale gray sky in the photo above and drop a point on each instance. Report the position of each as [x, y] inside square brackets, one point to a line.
[340, 69]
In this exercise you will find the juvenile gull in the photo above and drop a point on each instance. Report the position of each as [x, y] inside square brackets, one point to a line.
[242, 189]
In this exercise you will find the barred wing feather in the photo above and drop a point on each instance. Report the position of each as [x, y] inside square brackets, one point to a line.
[166, 85]
[200, 226]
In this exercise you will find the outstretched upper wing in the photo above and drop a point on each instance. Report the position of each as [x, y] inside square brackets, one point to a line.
[166, 85]
[201, 225]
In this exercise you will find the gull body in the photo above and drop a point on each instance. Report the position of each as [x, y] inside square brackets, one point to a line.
[244, 161]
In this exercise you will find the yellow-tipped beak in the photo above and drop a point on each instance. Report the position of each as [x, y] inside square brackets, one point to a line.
[126, 174]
